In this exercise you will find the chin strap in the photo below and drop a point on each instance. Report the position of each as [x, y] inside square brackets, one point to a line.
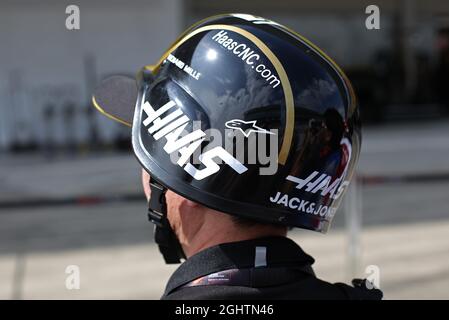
[164, 236]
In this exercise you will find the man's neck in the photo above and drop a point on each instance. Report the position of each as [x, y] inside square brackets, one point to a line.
[222, 229]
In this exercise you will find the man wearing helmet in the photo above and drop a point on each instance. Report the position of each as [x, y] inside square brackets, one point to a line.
[240, 78]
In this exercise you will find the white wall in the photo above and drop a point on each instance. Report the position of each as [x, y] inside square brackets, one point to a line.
[42, 61]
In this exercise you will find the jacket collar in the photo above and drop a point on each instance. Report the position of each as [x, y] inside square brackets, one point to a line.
[278, 252]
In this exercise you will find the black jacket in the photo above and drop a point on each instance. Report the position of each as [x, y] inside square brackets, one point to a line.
[279, 270]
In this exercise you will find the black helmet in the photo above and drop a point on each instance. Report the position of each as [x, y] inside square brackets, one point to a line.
[231, 92]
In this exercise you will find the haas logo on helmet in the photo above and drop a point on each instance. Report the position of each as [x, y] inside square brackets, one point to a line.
[171, 127]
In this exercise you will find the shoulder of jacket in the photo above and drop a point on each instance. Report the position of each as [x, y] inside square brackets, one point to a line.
[362, 289]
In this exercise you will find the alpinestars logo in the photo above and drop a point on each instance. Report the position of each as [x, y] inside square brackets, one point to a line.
[246, 127]
[171, 126]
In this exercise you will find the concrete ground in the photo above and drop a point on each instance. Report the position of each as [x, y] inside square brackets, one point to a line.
[412, 260]
[405, 226]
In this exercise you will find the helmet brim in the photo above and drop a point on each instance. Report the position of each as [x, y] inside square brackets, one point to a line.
[116, 98]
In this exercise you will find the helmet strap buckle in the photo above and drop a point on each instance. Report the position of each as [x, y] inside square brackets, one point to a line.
[157, 207]
[164, 235]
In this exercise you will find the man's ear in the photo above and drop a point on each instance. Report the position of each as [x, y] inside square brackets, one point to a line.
[146, 184]
[192, 204]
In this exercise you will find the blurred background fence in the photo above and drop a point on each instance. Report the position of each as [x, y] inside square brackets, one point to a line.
[69, 186]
